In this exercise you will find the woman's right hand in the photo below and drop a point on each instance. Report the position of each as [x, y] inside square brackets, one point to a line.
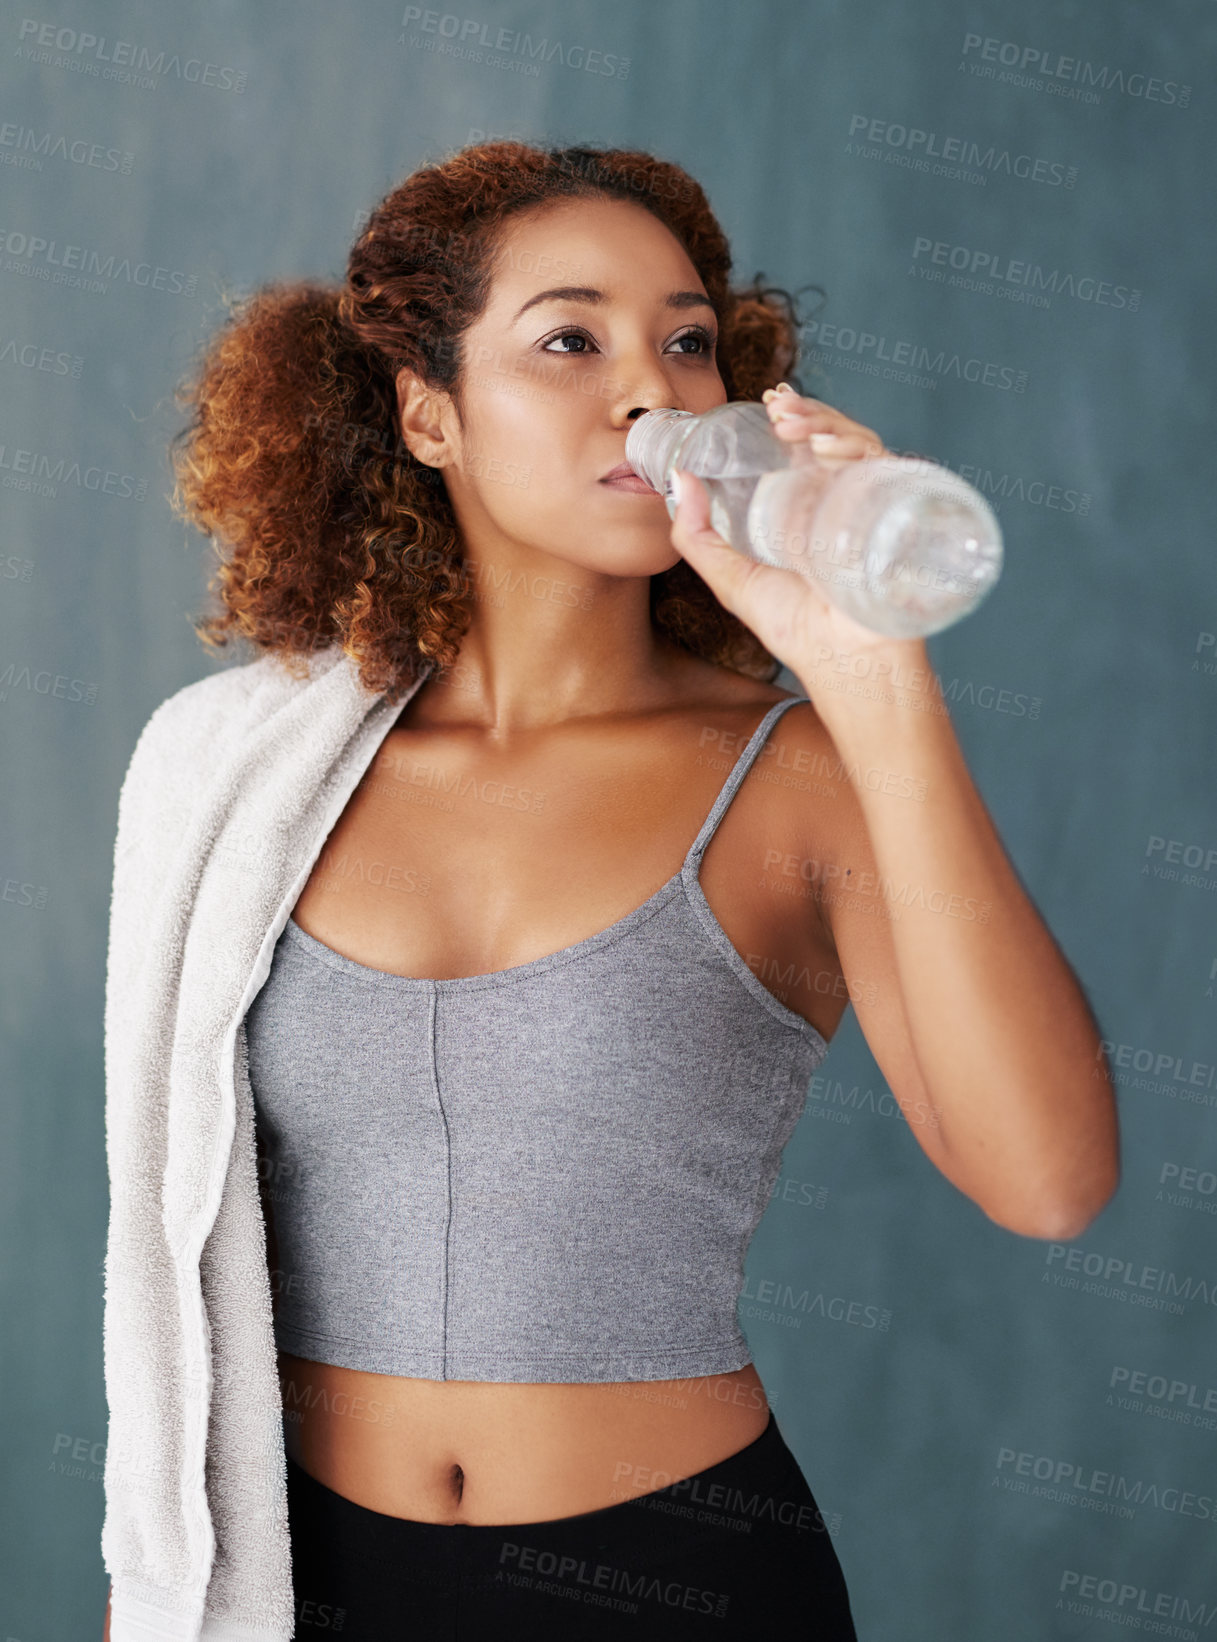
[105, 1635]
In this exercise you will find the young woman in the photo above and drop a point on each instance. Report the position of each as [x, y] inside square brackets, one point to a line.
[544, 1012]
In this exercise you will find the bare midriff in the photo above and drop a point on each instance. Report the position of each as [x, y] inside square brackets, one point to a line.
[449, 1451]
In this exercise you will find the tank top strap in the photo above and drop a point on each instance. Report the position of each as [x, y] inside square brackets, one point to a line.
[743, 764]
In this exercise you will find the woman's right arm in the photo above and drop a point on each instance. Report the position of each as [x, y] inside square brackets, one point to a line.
[105, 1635]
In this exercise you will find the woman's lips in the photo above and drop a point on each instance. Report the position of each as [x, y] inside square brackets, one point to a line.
[630, 481]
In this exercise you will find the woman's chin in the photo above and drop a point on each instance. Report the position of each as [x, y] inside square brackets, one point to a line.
[626, 553]
[645, 562]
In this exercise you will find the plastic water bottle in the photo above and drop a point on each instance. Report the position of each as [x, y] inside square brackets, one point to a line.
[900, 544]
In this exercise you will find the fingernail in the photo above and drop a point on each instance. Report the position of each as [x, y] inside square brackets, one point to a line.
[783, 387]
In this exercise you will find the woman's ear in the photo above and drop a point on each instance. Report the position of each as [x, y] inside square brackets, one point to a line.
[423, 414]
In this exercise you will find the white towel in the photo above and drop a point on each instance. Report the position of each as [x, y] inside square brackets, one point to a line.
[232, 789]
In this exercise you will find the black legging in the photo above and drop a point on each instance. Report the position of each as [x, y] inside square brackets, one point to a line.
[738, 1550]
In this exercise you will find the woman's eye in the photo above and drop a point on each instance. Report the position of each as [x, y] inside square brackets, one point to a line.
[579, 336]
[703, 338]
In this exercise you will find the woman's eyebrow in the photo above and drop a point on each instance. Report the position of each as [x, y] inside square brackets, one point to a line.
[589, 293]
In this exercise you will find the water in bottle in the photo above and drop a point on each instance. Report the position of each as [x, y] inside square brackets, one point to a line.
[902, 545]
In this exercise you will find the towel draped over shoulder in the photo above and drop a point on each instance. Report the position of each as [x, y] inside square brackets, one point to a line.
[233, 787]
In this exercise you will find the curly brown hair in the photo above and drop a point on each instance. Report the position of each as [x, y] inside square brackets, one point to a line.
[327, 526]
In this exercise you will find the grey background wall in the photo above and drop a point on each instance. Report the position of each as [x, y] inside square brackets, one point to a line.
[1011, 1438]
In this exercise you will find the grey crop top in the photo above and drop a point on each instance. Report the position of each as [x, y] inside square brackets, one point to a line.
[547, 1173]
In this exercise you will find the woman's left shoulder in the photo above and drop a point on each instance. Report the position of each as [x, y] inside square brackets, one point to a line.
[760, 696]
[738, 704]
